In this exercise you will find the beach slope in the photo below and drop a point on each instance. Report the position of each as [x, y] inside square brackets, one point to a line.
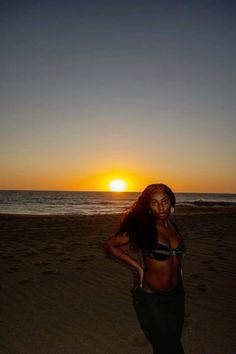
[61, 293]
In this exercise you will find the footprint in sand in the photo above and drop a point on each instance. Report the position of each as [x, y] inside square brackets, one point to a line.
[30, 254]
[211, 269]
[48, 272]
[217, 253]
[47, 249]
[196, 275]
[85, 259]
[58, 253]
[28, 281]
[222, 258]
[42, 264]
[205, 262]
[106, 256]
[202, 287]
[139, 340]
[9, 259]
[14, 268]
[81, 268]
[65, 260]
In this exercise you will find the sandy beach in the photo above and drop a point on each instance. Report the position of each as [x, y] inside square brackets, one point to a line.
[60, 293]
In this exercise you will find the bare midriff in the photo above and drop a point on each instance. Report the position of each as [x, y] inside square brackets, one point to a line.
[161, 276]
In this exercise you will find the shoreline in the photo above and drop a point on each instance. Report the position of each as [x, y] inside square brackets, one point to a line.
[180, 209]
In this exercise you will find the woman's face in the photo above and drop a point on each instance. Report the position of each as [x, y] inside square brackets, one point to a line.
[160, 204]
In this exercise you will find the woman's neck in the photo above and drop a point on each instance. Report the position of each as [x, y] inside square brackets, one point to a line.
[162, 223]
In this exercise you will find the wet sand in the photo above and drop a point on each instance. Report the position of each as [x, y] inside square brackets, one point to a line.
[61, 293]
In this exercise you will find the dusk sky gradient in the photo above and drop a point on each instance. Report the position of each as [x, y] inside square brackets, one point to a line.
[142, 90]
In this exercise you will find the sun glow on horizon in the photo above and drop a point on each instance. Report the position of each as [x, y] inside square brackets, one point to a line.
[117, 185]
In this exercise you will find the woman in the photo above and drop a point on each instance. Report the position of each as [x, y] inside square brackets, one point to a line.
[159, 297]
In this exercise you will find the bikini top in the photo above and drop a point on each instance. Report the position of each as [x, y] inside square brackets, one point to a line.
[163, 252]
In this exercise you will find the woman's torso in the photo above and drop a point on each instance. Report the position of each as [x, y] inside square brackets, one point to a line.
[164, 273]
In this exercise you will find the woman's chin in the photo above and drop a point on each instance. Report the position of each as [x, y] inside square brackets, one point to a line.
[163, 216]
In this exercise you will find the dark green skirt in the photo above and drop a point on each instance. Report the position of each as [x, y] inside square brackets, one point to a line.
[161, 317]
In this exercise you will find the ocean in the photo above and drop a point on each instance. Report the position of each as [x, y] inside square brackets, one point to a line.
[89, 203]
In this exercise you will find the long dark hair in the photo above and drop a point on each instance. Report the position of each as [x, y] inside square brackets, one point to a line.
[138, 223]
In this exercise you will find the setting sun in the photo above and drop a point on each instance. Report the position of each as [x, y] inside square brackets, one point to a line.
[117, 185]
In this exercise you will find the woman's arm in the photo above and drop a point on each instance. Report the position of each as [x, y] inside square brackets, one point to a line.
[113, 245]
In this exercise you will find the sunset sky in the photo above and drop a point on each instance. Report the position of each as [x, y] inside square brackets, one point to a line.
[139, 90]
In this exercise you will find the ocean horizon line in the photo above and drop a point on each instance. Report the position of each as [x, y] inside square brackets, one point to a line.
[104, 191]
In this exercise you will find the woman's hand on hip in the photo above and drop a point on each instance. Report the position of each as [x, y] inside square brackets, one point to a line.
[140, 274]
